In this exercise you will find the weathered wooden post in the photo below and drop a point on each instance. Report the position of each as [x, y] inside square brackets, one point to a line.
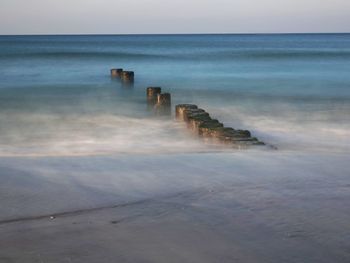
[180, 109]
[208, 129]
[152, 95]
[198, 121]
[211, 130]
[188, 113]
[163, 105]
[164, 99]
[127, 77]
[116, 72]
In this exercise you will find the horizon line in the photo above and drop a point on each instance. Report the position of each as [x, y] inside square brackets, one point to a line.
[165, 34]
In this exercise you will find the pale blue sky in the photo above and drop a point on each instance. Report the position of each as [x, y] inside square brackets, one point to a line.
[178, 16]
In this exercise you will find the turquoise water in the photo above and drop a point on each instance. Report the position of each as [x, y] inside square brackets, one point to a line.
[291, 90]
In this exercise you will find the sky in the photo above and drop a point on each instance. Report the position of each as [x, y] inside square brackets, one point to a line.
[177, 16]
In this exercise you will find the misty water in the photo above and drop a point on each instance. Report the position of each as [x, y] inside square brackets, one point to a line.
[57, 97]
[73, 138]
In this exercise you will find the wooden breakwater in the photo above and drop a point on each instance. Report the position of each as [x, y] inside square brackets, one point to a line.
[211, 130]
[126, 77]
[197, 120]
[158, 101]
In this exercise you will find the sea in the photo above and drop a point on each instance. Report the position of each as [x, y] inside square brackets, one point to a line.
[57, 98]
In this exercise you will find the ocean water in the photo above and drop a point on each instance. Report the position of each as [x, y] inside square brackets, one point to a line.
[56, 96]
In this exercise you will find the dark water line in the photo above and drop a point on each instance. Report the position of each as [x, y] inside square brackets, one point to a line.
[100, 208]
[223, 55]
[71, 213]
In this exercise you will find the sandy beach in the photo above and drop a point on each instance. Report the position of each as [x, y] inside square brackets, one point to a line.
[238, 207]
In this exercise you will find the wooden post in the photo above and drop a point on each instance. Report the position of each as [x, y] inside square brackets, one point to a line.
[211, 130]
[152, 95]
[127, 77]
[116, 72]
[164, 99]
[188, 113]
[180, 109]
[163, 105]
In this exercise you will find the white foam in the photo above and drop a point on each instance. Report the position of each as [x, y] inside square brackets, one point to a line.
[32, 134]
[314, 131]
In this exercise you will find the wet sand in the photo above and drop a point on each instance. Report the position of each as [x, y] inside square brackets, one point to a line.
[241, 207]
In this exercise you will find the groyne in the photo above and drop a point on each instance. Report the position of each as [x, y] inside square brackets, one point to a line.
[197, 120]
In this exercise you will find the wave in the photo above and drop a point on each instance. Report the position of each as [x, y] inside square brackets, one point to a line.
[292, 129]
[283, 54]
[290, 54]
[55, 134]
[39, 134]
[78, 55]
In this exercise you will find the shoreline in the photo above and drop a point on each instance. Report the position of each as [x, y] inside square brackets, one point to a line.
[230, 208]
